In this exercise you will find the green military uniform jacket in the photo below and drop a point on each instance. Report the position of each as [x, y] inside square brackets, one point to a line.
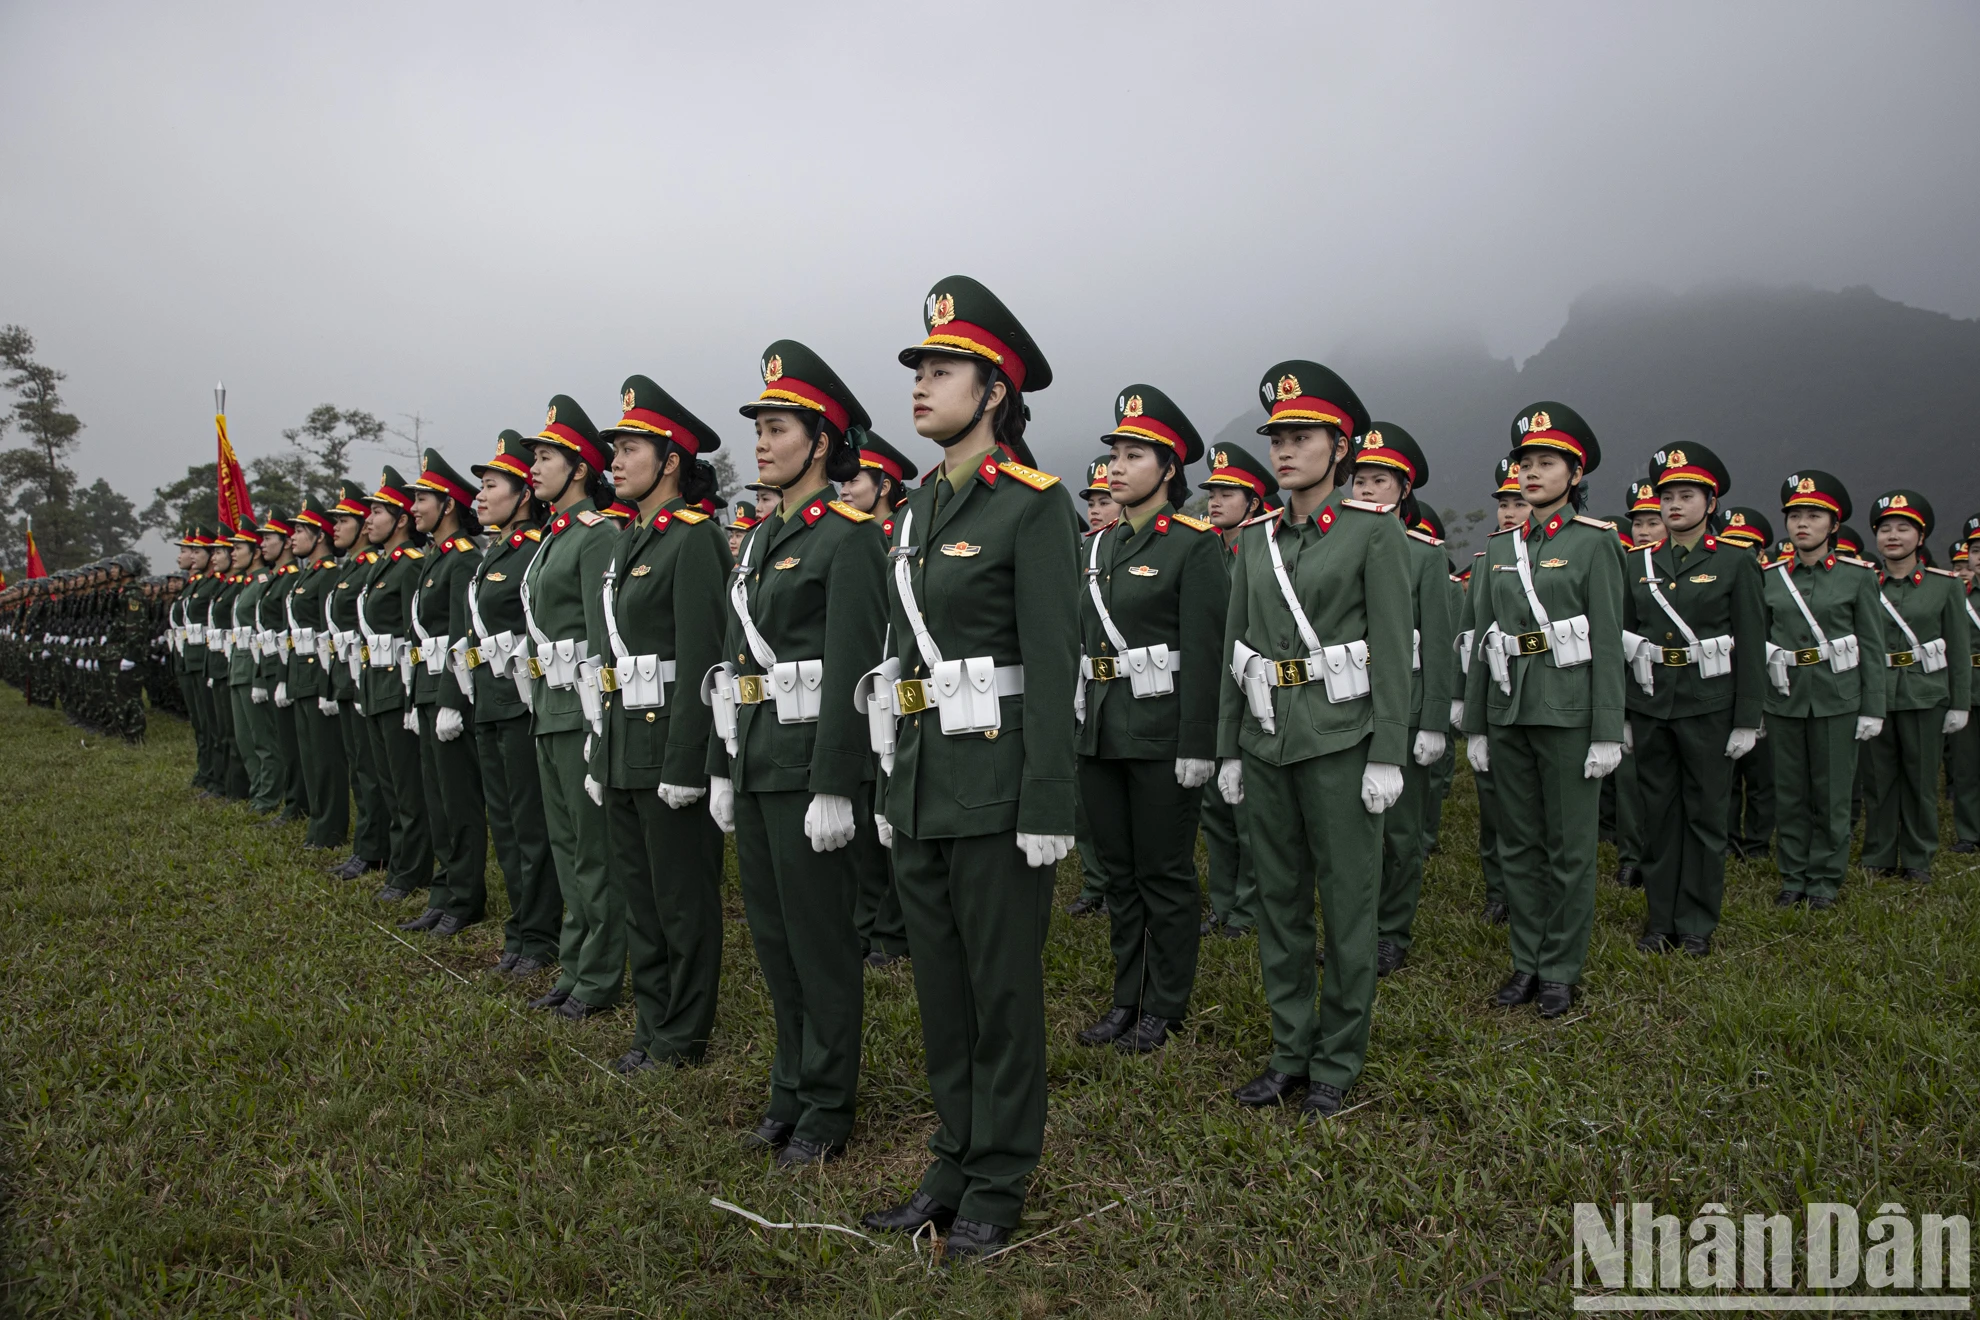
[1577, 569]
[1349, 566]
[1932, 602]
[384, 595]
[989, 572]
[668, 577]
[204, 660]
[439, 603]
[307, 594]
[347, 581]
[563, 580]
[269, 614]
[243, 670]
[1435, 683]
[1715, 587]
[813, 581]
[1166, 583]
[497, 588]
[1843, 598]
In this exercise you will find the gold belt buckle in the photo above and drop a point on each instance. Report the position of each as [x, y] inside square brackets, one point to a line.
[1808, 655]
[1533, 643]
[608, 679]
[749, 689]
[364, 654]
[535, 667]
[911, 694]
[473, 657]
[1292, 673]
[1103, 669]
[1903, 659]
[1976, 659]
[415, 655]
[1676, 655]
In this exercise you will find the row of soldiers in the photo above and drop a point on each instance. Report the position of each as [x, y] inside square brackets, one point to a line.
[908, 694]
[91, 641]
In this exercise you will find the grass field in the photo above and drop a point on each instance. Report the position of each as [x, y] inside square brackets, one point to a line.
[231, 1091]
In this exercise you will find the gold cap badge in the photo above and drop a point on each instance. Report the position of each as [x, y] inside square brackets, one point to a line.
[773, 369]
[551, 420]
[1898, 502]
[1805, 486]
[1373, 440]
[1132, 408]
[1288, 387]
[1219, 461]
[941, 309]
[628, 401]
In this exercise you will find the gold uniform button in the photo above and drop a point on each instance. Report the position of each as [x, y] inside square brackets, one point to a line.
[990, 735]
[649, 717]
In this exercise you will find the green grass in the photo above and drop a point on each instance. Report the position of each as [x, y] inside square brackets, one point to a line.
[230, 1091]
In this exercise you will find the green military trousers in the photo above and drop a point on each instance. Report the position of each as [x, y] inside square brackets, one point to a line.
[456, 819]
[1311, 831]
[800, 909]
[1232, 874]
[395, 752]
[371, 820]
[1814, 776]
[254, 733]
[1750, 824]
[1442, 771]
[1629, 820]
[326, 772]
[977, 917]
[1963, 780]
[877, 915]
[1402, 855]
[1901, 790]
[291, 789]
[1489, 846]
[1684, 782]
[512, 794]
[667, 865]
[592, 944]
[1092, 874]
[1144, 828]
[190, 689]
[1547, 830]
[231, 766]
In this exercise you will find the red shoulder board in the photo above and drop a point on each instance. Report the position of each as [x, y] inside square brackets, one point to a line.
[812, 512]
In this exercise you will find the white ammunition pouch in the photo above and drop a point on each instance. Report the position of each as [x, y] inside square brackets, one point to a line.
[642, 681]
[558, 662]
[590, 694]
[875, 698]
[379, 647]
[1929, 657]
[966, 693]
[499, 653]
[1496, 657]
[435, 650]
[403, 652]
[794, 684]
[1463, 644]
[718, 693]
[457, 664]
[1150, 670]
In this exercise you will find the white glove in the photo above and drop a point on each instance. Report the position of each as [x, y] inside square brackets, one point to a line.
[1742, 742]
[1474, 752]
[358, 706]
[1192, 773]
[828, 822]
[1381, 785]
[886, 763]
[209, 682]
[1603, 758]
[1457, 714]
[885, 829]
[1629, 739]
[1868, 727]
[1230, 781]
[411, 721]
[258, 695]
[326, 706]
[587, 747]
[593, 791]
[1429, 746]
[127, 665]
[722, 804]
[680, 795]
[447, 724]
[1955, 720]
[1044, 849]
[282, 695]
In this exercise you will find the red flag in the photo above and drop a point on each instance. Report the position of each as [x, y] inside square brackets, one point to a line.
[236, 509]
[35, 568]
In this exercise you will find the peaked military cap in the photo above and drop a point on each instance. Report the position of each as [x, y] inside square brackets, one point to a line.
[437, 474]
[1970, 529]
[1692, 464]
[1301, 393]
[1505, 478]
[314, 514]
[1747, 527]
[743, 521]
[1428, 521]
[202, 537]
[351, 500]
[1096, 477]
[1959, 553]
[511, 456]
[1903, 504]
[876, 453]
[651, 411]
[1555, 426]
[188, 536]
[1643, 497]
[245, 534]
[277, 523]
[1625, 530]
[567, 426]
[1812, 489]
[620, 512]
[1848, 540]
[1142, 412]
[964, 319]
[393, 490]
[1384, 444]
[797, 379]
[1233, 465]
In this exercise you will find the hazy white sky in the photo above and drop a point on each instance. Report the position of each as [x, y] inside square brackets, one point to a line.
[460, 210]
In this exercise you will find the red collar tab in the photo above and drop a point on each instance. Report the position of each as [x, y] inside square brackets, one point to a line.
[1710, 542]
[1325, 520]
[516, 539]
[887, 529]
[563, 520]
[1830, 562]
[661, 519]
[398, 553]
[1554, 525]
[1162, 523]
[989, 470]
[813, 512]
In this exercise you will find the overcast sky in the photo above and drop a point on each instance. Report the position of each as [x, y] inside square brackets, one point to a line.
[459, 211]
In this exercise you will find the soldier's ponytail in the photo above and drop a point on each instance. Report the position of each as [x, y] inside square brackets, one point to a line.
[698, 481]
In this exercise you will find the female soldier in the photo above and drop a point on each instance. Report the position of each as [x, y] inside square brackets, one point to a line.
[979, 807]
[1927, 692]
[1441, 770]
[189, 661]
[371, 833]
[662, 611]
[254, 731]
[1510, 505]
[1963, 747]
[387, 683]
[564, 618]
[804, 624]
[1623, 813]
[319, 746]
[450, 767]
[1823, 616]
[1154, 581]
[1101, 513]
[1750, 824]
[1389, 468]
[497, 660]
[272, 668]
[1548, 619]
[1240, 489]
